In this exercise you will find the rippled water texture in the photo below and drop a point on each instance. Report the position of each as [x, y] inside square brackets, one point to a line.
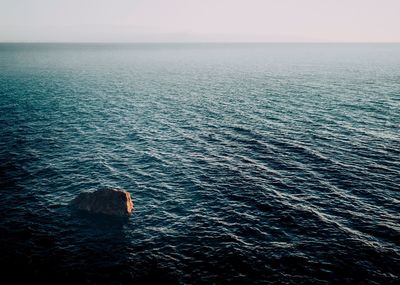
[247, 163]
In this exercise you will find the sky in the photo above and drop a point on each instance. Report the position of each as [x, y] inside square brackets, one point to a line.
[199, 20]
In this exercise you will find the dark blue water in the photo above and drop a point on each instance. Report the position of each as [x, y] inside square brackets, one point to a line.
[247, 163]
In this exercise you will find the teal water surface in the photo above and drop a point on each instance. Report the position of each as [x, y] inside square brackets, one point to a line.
[247, 163]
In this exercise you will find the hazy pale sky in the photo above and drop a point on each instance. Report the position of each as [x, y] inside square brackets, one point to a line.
[200, 20]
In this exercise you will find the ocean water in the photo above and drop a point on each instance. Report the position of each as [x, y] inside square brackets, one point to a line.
[247, 163]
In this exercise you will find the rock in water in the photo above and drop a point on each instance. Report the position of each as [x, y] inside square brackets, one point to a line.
[105, 201]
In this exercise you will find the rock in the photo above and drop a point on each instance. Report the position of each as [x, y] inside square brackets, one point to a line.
[104, 201]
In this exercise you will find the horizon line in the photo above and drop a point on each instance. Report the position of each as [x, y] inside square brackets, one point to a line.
[198, 42]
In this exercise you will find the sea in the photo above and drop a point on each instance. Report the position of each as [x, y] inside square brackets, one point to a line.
[247, 163]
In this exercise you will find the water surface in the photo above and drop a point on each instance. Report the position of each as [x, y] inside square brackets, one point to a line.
[247, 163]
